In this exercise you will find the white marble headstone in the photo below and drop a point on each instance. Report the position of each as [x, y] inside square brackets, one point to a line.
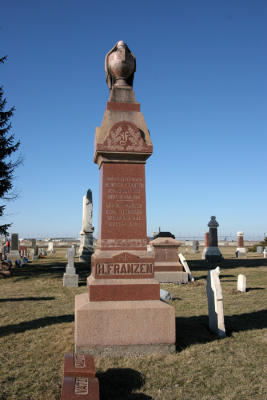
[186, 267]
[215, 304]
[241, 283]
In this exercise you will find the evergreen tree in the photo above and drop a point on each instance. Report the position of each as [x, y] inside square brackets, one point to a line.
[8, 146]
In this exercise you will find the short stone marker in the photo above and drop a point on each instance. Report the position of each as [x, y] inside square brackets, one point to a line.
[265, 253]
[195, 246]
[50, 248]
[14, 248]
[79, 364]
[79, 380]
[80, 388]
[259, 249]
[23, 251]
[186, 267]
[241, 283]
[70, 278]
[215, 304]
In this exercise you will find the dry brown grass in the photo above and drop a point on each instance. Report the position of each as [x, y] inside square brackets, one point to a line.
[37, 327]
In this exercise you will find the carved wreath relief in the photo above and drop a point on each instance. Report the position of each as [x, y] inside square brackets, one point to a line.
[125, 136]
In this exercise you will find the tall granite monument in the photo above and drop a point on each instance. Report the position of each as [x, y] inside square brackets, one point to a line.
[121, 311]
[86, 245]
[213, 253]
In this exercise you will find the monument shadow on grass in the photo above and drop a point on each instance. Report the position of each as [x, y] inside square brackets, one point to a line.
[11, 299]
[35, 324]
[229, 263]
[83, 269]
[119, 383]
[54, 270]
[194, 330]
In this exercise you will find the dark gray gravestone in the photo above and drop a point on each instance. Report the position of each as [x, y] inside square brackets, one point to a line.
[14, 241]
[195, 246]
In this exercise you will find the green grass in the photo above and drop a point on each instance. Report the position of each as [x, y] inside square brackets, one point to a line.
[37, 328]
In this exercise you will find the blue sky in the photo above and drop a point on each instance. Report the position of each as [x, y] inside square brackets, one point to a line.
[201, 82]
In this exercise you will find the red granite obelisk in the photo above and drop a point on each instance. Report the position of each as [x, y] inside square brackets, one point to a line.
[241, 250]
[122, 311]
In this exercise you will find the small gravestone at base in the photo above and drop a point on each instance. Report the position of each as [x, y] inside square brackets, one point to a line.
[79, 380]
[215, 304]
[241, 283]
[70, 278]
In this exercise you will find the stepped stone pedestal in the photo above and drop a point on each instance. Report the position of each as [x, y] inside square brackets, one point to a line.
[121, 311]
[167, 266]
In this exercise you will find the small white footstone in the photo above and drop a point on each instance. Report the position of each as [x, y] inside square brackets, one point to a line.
[241, 283]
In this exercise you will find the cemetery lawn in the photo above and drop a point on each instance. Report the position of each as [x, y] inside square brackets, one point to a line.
[37, 328]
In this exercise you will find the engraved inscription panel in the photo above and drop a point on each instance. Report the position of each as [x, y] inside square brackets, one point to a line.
[123, 204]
[79, 360]
[125, 269]
[81, 386]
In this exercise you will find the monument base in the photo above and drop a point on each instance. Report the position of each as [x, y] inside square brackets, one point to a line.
[213, 254]
[123, 327]
[70, 280]
[171, 277]
[242, 253]
[86, 247]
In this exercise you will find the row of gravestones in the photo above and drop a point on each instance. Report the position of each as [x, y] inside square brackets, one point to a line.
[214, 290]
